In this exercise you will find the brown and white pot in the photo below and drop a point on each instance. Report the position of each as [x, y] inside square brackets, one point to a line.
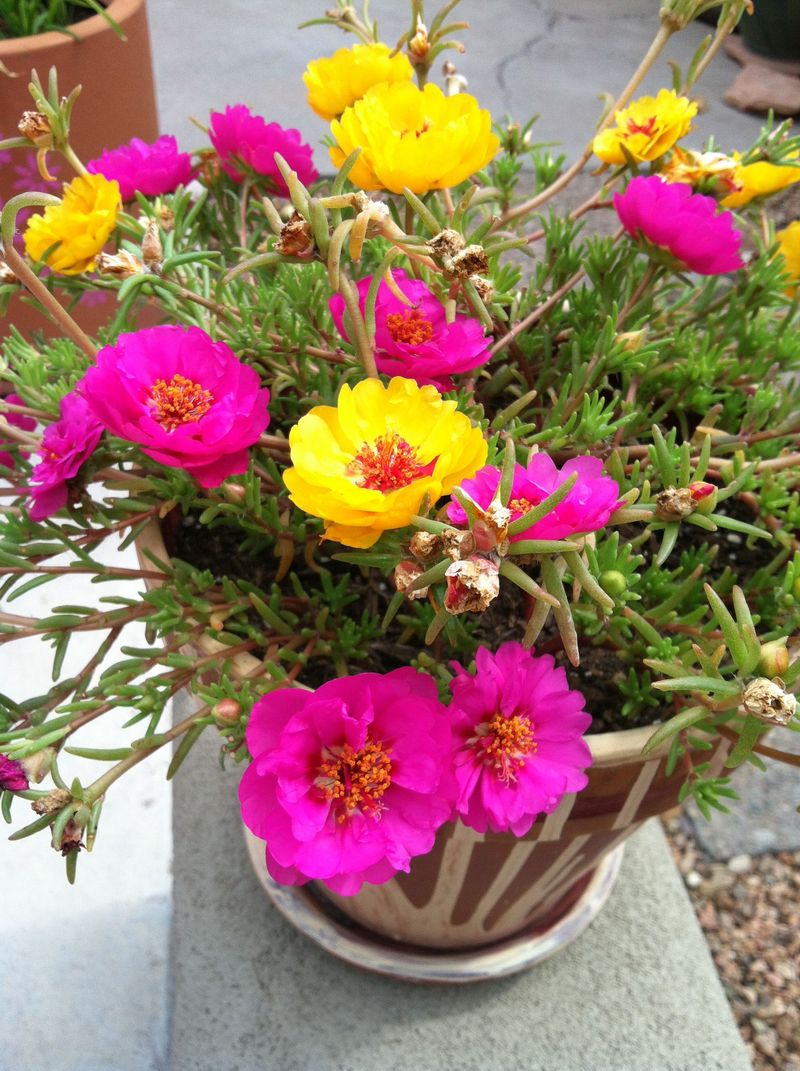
[477, 890]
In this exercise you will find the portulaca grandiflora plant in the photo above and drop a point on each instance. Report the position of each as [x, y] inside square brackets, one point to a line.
[467, 478]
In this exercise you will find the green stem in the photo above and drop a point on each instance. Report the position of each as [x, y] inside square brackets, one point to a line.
[361, 339]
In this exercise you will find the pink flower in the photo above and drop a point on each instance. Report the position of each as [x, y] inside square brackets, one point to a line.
[18, 420]
[586, 508]
[686, 224]
[350, 782]
[189, 401]
[416, 340]
[65, 446]
[518, 739]
[149, 168]
[12, 775]
[246, 142]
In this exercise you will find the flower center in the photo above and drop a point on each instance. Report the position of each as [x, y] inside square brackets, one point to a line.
[356, 780]
[179, 402]
[388, 463]
[642, 128]
[409, 327]
[505, 744]
[522, 505]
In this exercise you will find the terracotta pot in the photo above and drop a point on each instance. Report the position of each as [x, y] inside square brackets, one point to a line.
[118, 102]
[478, 889]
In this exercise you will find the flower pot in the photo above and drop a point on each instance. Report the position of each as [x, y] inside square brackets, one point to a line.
[478, 891]
[118, 102]
[773, 29]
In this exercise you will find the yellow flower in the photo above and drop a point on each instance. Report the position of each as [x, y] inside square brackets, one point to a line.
[789, 245]
[80, 224]
[334, 82]
[760, 180]
[711, 172]
[413, 137]
[365, 465]
[646, 129]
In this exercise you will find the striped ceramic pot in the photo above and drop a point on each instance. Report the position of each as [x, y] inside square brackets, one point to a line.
[474, 889]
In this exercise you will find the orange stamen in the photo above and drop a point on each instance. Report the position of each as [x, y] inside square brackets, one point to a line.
[505, 744]
[179, 402]
[356, 780]
[388, 463]
[411, 328]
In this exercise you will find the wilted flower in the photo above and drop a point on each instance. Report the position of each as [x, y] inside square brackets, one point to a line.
[247, 142]
[709, 172]
[587, 506]
[365, 466]
[415, 340]
[335, 82]
[65, 446]
[472, 585]
[789, 246]
[769, 701]
[350, 782]
[760, 179]
[78, 227]
[18, 420]
[188, 400]
[413, 137]
[646, 129]
[149, 168]
[519, 747]
[686, 225]
[35, 126]
[12, 775]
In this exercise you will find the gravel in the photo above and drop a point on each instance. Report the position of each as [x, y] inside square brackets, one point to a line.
[749, 909]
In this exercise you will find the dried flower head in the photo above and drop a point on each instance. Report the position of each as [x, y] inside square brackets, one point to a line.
[769, 701]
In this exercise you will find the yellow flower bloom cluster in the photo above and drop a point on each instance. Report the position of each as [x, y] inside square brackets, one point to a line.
[789, 245]
[760, 180]
[646, 129]
[365, 466]
[413, 137]
[335, 82]
[80, 224]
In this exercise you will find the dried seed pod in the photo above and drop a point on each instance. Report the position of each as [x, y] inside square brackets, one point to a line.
[425, 546]
[52, 802]
[121, 265]
[457, 543]
[36, 128]
[768, 701]
[404, 575]
[674, 503]
[296, 238]
[472, 585]
[470, 261]
[152, 251]
[446, 243]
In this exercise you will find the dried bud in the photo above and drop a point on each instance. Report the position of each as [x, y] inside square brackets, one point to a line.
[769, 701]
[677, 14]
[674, 503]
[425, 546]
[36, 128]
[121, 265]
[227, 711]
[613, 582]
[405, 573]
[454, 82]
[296, 239]
[471, 585]
[418, 46]
[72, 838]
[152, 251]
[704, 496]
[166, 218]
[774, 660]
[470, 261]
[457, 544]
[446, 243]
[6, 274]
[342, 14]
[210, 168]
[52, 802]
[37, 766]
[484, 288]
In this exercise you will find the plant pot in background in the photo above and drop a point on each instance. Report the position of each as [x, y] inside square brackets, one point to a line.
[118, 102]
[773, 29]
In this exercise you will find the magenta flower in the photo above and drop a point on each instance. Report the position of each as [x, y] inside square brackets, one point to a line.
[587, 507]
[519, 747]
[416, 340]
[12, 775]
[151, 168]
[65, 446]
[350, 782]
[246, 142]
[18, 420]
[685, 224]
[189, 401]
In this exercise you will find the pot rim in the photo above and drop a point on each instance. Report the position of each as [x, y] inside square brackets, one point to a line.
[608, 749]
[119, 10]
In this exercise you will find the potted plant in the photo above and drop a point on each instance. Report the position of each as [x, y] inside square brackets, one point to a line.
[472, 527]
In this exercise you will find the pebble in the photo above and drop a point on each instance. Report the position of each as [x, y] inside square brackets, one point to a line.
[740, 864]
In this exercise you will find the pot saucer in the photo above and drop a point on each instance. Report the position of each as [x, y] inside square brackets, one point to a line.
[311, 914]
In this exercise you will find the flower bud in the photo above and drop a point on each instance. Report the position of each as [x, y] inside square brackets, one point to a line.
[677, 14]
[404, 575]
[227, 711]
[296, 239]
[418, 46]
[704, 496]
[425, 546]
[471, 585]
[769, 701]
[613, 582]
[121, 265]
[234, 493]
[152, 251]
[36, 128]
[774, 659]
[632, 340]
[674, 503]
[166, 218]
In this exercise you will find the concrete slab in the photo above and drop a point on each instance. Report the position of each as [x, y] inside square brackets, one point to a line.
[636, 992]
